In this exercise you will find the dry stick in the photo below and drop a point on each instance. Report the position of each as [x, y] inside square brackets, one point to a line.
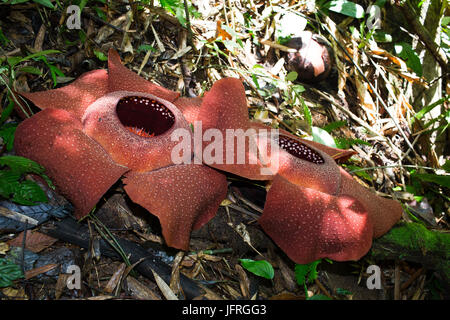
[399, 128]
[322, 288]
[411, 279]
[423, 34]
[397, 281]
[359, 121]
[188, 26]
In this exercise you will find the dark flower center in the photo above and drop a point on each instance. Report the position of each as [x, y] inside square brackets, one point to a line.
[300, 150]
[144, 116]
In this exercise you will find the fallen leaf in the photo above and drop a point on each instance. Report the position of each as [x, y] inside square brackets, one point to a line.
[37, 271]
[35, 241]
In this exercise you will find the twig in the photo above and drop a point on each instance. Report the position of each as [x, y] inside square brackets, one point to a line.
[359, 121]
[188, 25]
[397, 281]
[322, 288]
[380, 99]
[411, 279]
[420, 30]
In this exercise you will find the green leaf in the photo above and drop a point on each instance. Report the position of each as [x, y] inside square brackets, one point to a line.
[360, 173]
[347, 8]
[305, 273]
[145, 48]
[45, 3]
[343, 292]
[334, 125]
[8, 110]
[30, 69]
[426, 109]
[100, 55]
[446, 166]
[21, 165]
[307, 113]
[3, 39]
[7, 132]
[443, 180]
[406, 52]
[39, 54]
[381, 36]
[9, 272]
[323, 137]
[261, 268]
[292, 76]
[319, 297]
[345, 143]
[29, 193]
[9, 182]
[101, 14]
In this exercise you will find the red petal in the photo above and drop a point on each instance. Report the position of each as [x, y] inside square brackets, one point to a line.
[76, 164]
[136, 152]
[339, 155]
[120, 78]
[190, 107]
[75, 97]
[225, 106]
[184, 197]
[305, 165]
[383, 212]
[309, 225]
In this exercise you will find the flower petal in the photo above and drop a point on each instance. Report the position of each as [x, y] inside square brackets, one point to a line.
[76, 164]
[121, 78]
[75, 97]
[339, 155]
[309, 225]
[383, 212]
[225, 106]
[184, 197]
[190, 107]
[114, 131]
[299, 162]
[224, 111]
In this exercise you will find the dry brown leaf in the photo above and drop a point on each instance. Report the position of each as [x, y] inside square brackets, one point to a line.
[115, 278]
[286, 296]
[244, 283]
[164, 287]
[35, 241]
[139, 290]
[4, 247]
[366, 100]
[36, 271]
[222, 33]
[175, 275]
[16, 294]
[61, 284]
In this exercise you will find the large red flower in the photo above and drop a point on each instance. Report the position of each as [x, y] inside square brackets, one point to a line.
[314, 208]
[106, 125]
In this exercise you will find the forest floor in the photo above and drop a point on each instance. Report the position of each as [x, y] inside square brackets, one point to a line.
[225, 39]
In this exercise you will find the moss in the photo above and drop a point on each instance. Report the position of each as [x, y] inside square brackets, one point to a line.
[414, 242]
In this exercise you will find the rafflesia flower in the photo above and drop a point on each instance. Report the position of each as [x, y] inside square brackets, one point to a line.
[109, 125]
[314, 208]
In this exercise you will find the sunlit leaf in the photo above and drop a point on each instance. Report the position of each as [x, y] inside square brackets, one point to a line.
[347, 8]
[323, 137]
[261, 268]
[305, 273]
